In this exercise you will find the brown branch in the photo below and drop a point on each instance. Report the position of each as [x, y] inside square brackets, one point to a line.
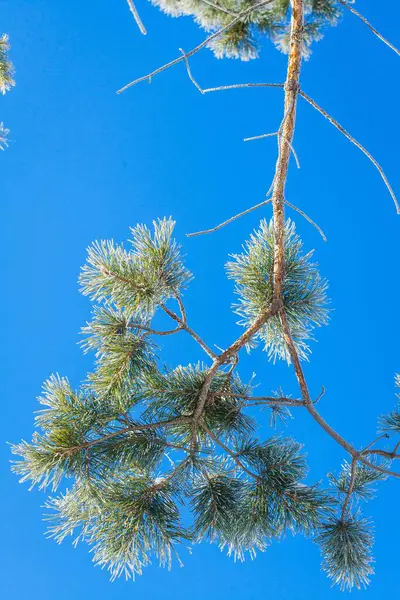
[378, 468]
[368, 24]
[204, 43]
[149, 331]
[355, 142]
[287, 131]
[136, 16]
[189, 330]
[305, 393]
[259, 400]
[384, 435]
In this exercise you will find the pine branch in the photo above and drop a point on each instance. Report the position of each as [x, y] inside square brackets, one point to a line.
[212, 37]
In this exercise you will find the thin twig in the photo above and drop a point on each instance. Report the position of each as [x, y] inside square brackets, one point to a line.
[224, 10]
[378, 468]
[230, 220]
[351, 487]
[320, 395]
[237, 86]
[260, 137]
[189, 330]
[149, 331]
[228, 451]
[368, 24]
[307, 218]
[204, 43]
[355, 142]
[384, 435]
[136, 16]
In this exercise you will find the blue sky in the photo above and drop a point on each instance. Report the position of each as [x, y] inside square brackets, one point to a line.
[84, 163]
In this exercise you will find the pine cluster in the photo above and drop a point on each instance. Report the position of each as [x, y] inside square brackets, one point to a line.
[269, 18]
[145, 475]
[6, 81]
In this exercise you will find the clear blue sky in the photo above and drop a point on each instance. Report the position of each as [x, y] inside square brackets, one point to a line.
[85, 163]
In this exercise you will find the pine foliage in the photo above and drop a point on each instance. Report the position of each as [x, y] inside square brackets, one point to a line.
[146, 477]
[304, 292]
[346, 547]
[6, 81]
[271, 18]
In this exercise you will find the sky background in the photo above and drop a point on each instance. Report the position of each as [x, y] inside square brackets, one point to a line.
[85, 164]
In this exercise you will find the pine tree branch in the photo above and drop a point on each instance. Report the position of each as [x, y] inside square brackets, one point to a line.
[286, 129]
[307, 218]
[230, 220]
[184, 326]
[305, 393]
[136, 16]
[222, 87]
[228, 451]
[368, 24]
[237, 86]
[355, 142]
[204, 43]
[220, 8]
[378, 468]
[350, 489]
[257, 400]
[149, 331]
[127, 429]
[380, 437]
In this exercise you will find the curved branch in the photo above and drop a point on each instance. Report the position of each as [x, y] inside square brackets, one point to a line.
[368, 24]
[355, 142]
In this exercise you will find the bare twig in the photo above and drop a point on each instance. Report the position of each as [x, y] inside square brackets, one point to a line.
[231, 219]
[368, 24]
[384, 435]
[307, 218]
[224, 10]
[351, 487]
[260, 137]
[320, 395]
[204, 43]
[355, 142]
[136, 16]
[237, 86]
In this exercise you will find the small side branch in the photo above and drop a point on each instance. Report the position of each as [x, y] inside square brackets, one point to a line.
[136, 16]
[307, 218]
[351, 487]
[368, 24]
[230, 220]
[355, 142]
